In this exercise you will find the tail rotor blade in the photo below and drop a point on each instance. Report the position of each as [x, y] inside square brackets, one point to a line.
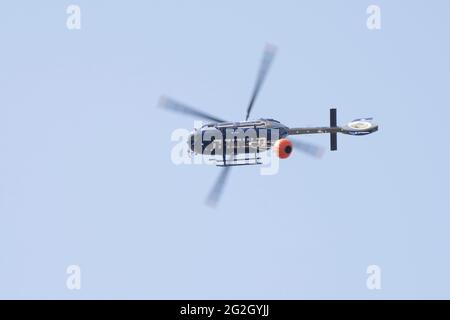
[173, 105]
[216, 191]
[308, 148]
[269, 54]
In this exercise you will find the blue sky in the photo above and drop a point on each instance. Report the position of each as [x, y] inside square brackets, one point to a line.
[86, 176]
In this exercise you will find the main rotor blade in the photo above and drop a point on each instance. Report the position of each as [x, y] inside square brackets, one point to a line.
[173, 105]
[269, 54]
[308, 148]
[216, 191]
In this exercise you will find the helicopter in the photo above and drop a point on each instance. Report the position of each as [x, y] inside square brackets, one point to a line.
[225, 141]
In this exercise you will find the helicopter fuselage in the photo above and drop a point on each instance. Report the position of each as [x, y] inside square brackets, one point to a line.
[237, 137]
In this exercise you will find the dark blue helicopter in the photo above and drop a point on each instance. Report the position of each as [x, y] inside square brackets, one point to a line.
[251, 137]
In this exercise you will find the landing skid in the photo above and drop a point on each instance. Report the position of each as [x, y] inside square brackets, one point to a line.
[242, 160]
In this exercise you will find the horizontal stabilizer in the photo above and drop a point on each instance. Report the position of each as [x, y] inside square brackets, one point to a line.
[333, 124]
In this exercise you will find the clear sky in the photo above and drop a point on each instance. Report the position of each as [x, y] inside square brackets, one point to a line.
[86, 176]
